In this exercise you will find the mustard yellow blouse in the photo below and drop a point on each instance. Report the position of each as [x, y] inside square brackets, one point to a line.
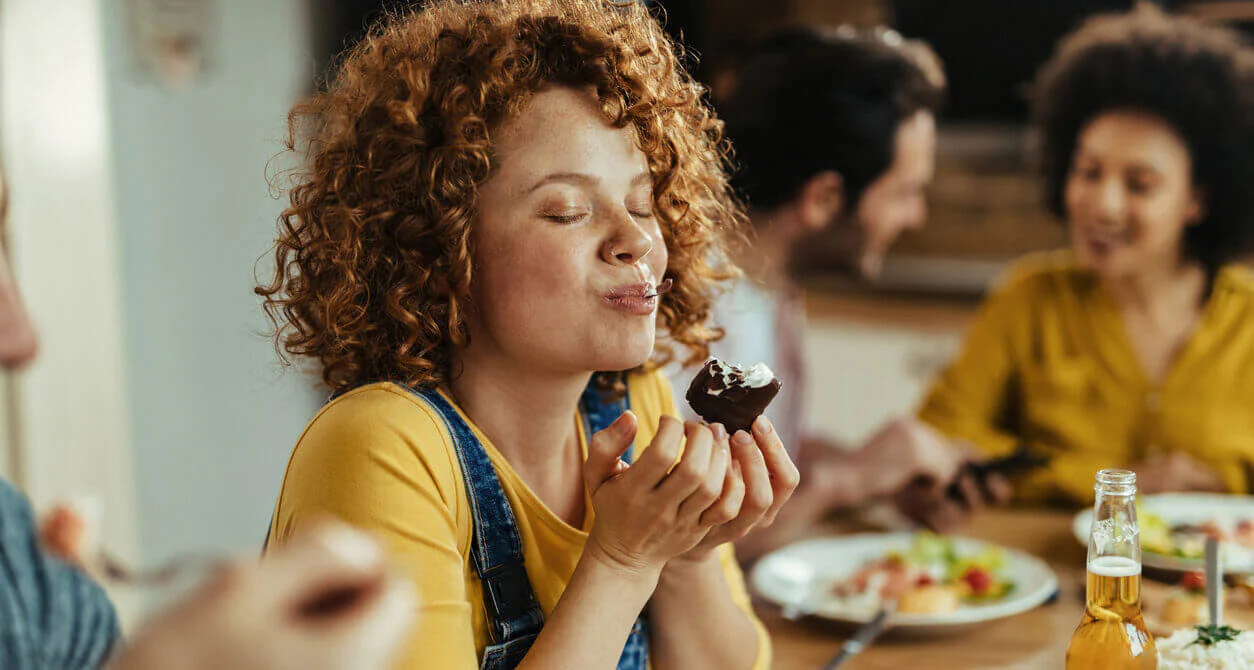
[1048, 364]
[381, 459]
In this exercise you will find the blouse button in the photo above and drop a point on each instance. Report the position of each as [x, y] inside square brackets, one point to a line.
[1153, 401]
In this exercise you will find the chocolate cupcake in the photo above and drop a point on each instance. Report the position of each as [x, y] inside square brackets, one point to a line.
[731, 395]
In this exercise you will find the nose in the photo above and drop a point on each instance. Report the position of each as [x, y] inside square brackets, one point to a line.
[628, 242]
[18, 342]
[1110, 199]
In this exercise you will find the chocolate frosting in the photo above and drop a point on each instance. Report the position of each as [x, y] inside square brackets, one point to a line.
[720, 394]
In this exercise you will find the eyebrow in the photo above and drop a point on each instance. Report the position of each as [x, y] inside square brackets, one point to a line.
[1144, 170]
[1136, 166]
[580, 179]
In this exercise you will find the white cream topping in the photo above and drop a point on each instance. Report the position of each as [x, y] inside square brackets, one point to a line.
[757, 376]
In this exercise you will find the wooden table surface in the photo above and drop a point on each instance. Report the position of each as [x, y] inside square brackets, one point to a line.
[1034, 639]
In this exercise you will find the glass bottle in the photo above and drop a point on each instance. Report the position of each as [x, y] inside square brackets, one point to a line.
[1112, 634]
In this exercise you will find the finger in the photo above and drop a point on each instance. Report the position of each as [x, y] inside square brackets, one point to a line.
[781, 470]
[727, 508]
[1199, 477]
[758, 492]
[689, 475]
[998, 489]
[943, 517]
[371, 635]
[656, 461]
[924, 503]
[606, 449]
[969, 493]
[732, 492]
[711, 490]
[949, 459]
[330, 558]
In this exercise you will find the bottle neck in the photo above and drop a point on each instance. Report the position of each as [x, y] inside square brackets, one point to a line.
[1115, 532]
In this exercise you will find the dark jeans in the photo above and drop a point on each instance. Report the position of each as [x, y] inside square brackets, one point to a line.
[51, 615]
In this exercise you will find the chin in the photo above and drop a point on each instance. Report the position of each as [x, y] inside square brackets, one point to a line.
[871, 265]
[623, 353]
[1105, 268]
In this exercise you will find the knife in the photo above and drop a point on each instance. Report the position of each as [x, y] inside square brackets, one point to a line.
[864, 636]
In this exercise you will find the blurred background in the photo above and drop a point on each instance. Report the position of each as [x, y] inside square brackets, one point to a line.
[137, 136]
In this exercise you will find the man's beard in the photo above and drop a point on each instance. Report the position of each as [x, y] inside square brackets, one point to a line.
[840, 248]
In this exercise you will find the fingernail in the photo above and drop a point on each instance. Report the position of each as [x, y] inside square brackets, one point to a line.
[742, 439]
[720, 433]
[623, 422]
[350, 546]
[762, 425]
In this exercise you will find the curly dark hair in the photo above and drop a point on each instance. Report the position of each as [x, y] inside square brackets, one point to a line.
[373, 259]
[815, 99]
[1197, 78]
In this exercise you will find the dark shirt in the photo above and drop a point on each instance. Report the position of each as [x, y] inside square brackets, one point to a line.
[52, 616]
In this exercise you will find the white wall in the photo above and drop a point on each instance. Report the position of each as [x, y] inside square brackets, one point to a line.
[70, 407]
[862, 375]
[213, 418]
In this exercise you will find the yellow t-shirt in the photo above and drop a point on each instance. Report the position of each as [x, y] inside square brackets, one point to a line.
[1048, 364]
[379, 457]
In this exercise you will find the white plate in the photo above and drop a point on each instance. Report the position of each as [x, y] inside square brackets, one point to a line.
[786, 576]
[1180, 508]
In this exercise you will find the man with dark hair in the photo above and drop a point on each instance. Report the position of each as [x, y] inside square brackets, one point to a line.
[836, 129]
[834, 132]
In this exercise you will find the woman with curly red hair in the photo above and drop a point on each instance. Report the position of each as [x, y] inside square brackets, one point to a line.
[495, 199]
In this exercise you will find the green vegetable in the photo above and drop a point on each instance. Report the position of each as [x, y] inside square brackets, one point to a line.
[991, 560]
[930, 548]
[1212, 634]
[999, 590]
[1155, 532]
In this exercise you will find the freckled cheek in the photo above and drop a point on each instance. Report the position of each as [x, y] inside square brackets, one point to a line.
[539, 278]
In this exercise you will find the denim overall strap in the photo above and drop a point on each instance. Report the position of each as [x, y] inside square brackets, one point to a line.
[599, 408]
[496, 545]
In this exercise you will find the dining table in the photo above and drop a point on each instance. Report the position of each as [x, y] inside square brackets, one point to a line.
[1036, 639]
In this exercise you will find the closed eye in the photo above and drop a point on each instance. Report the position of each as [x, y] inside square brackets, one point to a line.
[566, 218]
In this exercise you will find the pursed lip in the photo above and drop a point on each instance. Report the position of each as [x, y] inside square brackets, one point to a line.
[639, 298]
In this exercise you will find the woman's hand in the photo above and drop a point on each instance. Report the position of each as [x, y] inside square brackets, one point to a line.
[1175, 471]
[323, 602]
[927, 501]
[654, 509]
[904, 452]
[760, 479]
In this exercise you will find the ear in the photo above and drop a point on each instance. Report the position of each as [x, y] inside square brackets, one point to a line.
[821, 200]
[1197, 206]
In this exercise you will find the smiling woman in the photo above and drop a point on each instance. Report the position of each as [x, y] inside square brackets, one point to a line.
[502, 203]
[1127, 351]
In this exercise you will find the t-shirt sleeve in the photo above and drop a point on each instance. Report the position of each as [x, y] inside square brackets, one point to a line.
[380, 460]
[968, 399]
[740, 594]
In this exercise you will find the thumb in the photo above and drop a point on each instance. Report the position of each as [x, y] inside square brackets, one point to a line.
[606, 448]
[330, 562]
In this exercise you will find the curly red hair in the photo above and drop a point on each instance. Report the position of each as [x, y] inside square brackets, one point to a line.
[373, 261]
